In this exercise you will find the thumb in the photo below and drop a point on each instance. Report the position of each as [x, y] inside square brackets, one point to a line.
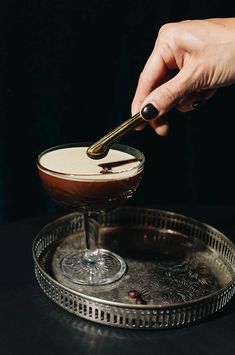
[166, 96]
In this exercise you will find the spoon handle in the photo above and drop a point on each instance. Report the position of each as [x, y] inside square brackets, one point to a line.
[100, 149]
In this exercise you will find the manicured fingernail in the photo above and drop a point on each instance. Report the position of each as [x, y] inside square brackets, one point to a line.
[197, 104]
[149, 111]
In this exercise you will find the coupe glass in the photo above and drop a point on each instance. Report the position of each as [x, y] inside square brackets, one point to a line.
[90, 187]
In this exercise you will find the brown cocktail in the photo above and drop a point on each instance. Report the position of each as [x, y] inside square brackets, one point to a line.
[78, 183]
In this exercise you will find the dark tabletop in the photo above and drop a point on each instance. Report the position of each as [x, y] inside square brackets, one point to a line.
[30, 323]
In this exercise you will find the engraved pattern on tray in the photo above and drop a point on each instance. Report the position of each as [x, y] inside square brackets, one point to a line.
[184, 269]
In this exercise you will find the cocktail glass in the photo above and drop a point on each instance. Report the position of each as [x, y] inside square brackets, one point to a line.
[90, 187]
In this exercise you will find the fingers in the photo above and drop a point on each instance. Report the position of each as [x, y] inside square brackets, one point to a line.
[188, 103]
[166, 96]
[140, 126]
[161, 126]
[183, 48]
[161, 100]
[152, 75]
[163, 64]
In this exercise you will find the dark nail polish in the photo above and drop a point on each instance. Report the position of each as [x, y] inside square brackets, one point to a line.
[149, 111]
[197, 104]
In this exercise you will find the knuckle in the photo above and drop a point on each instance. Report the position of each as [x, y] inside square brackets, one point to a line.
[169, 30]
[166, 27]
[168, 37]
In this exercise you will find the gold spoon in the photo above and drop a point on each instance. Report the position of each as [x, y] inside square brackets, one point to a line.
[100, 149]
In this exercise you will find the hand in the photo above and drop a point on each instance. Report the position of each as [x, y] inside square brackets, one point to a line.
[190, 60]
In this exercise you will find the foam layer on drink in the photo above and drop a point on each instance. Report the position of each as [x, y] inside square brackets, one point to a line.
[74, 161]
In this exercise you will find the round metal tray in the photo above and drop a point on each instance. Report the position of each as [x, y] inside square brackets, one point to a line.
[183, 269]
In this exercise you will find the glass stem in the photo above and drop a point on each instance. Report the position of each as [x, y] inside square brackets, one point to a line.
[91, 231]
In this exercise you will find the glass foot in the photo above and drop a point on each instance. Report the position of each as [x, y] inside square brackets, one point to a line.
[100, 268]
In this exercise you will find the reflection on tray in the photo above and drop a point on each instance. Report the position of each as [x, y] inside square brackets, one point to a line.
[165, 267]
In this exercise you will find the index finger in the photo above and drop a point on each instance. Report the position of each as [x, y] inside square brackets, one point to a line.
[153, 75]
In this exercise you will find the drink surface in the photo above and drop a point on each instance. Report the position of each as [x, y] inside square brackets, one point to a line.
[79, 183]
[74, 161]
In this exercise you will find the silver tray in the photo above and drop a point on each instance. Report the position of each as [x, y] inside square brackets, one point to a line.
[183, 269]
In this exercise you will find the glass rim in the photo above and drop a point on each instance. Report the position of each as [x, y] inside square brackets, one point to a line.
[141, 159]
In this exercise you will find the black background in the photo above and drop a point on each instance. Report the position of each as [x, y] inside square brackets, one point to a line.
[68, 73]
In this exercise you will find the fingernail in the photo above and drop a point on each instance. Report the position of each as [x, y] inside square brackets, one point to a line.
[149, 111]
[197, 104]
